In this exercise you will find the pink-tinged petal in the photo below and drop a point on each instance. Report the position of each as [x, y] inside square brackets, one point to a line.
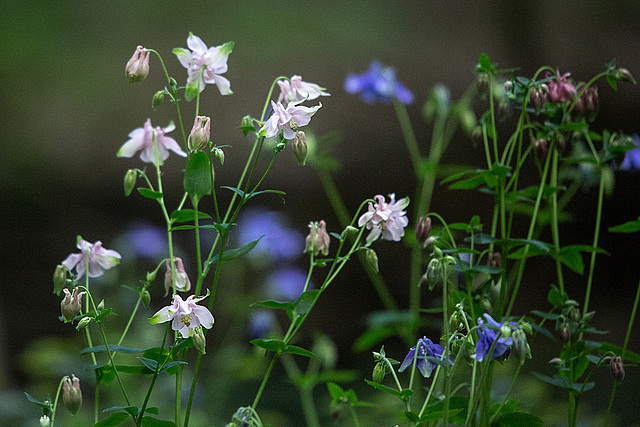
[184, 56]
[196, 44]
[224, 86]
[72, 260]
[170, 127]
[131, 147]
[192, 300]
[163, 315]
[171, 144]
[204, 316]
[365, 218]
[95, 270]
[81, 267]
[149, 156]
[137, 133]
[185, 331]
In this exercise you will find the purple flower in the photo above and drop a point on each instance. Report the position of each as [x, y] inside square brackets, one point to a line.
[378, 84]
[296, 90]
[143, 240]
[487, 336]
[185, 315]
[287, 120]
[141, 139]
[386, 219]
[205, 65]
[280, 243]
[631, 160]
[286, 283]
[426, 348]
[561, 90]
[98, 258]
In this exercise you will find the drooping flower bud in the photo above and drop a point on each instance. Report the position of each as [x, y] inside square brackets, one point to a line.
[137, 68]
[71, 304]
[199, 341]
[538, 97]
[541, 146]
[617, 368]
[625, 75]
[83, 322]
[60, 278]
[158, 97]
[151, 276]
[482, 83]
[557, 362]
[565, 333]
[423, 229]
[508, 86]
[45, 421]
[71, 394]
[494, 259]
[219, 155]
[130, 179]
[145, 297]
[183, 284]
[200, 133]
[318, 239]
[247, 125]
[521, 346]
[300, 148]
[372, 259]
[434, 273]
[379, 372]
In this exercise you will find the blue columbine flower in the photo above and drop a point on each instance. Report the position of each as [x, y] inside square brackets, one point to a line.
[426, 349]
[487, 335]
[378, 84]
[631, 160]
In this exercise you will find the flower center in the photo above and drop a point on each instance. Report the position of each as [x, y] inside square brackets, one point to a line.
[186, 319]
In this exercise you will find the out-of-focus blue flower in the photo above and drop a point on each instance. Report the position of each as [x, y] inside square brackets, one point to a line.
[280, 243]
[260, 323]
[143, 240]
[488, 335]
[378, 84]
[286, 283]
[631, 160]
[426, 348]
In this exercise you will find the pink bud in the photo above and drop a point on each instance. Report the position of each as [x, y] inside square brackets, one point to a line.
[200, 133]
[71, 394]
[617, 368]
[423, 229]
[71, 304]
[137, 68]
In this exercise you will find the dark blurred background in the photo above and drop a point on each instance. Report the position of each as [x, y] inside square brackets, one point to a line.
[66, 107]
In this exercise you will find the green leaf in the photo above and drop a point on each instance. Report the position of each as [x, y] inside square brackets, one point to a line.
[628, 355]
[32, 399]
[192, 90]
[556, 298]
[484, 62]
[274, 304]
[150, 194]
[250, 195]
[468, 184]
[299, 351]
[548, 316]
[220, 228]
[335, 391]
[612, 82]
[384, 388]
[276, 346]
[571, 256]
[154, 422]
[114, 420]
[236, 253]
[305, 301]
[112, 348]
[562, 382]
[627, 227]
[197, 176]
[186, 215]
[372, 337]
[517, 419]
[131, 410]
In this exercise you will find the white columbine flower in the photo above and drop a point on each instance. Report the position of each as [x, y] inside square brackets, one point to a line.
[287, 119]
[185, 316]
[183, 284]
[211, 61]
[141, 139]
[99, 258]
[386, 219]
[297, 90]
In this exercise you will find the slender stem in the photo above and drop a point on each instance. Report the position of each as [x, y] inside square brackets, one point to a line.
[596, 235]
[409, 135]
[55, 402]
[155, 376]
[553, 182]
[447, 333]
[352, 411]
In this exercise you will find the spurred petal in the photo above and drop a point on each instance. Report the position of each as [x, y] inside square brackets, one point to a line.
[224, 86]
[131, 147]
[204, 316]
[72, 260]
[196, 44]
[184, 56]
[163, 315]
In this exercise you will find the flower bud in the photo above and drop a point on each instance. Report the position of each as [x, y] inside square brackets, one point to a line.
[137, 68]
[199, 341]
[557, 362]
[247, 125]
[158, 97]
[505, 330]
[482, 83]
[45, 421]
[508, 86]
[71, 394]
[617, 368]
[538, 97]
[71, 304]
[372, 259]
[200, 133]
[588, 317]
[575, 314]
[541, 146]
[423, 229]
[183, 284]
[219, 155]
[625, 75]
[151, 276]
[300, 147]
[59, 278]
[521, 346]
[145, 297]
[130, 179]
[565, 333]
[434, 273]
[317, 241]
[379, 372]
[83, 322]
[494, 259]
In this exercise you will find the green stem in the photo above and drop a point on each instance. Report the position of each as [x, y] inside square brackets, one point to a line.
[153, 380]
[55, 402]
[409, 135]
[553, 182]
[596, 235]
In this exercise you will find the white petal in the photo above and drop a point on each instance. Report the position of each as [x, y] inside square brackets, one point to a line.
[72, 260]
[184, 56]
[204, 316]
[196, 44]
[131, 147]
[163, 315]
[224, 86]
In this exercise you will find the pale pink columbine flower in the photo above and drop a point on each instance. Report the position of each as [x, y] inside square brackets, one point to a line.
[318, 240]
[141, 139]
[212, 61]
[71, 304]
[185, 316]
[561, 90]
[297, 90]
[183, 284]
[99, 259]
[386, 219]
[137, 68]
[288, 119]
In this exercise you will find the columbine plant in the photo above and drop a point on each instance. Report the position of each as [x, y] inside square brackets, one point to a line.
[475, 270]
